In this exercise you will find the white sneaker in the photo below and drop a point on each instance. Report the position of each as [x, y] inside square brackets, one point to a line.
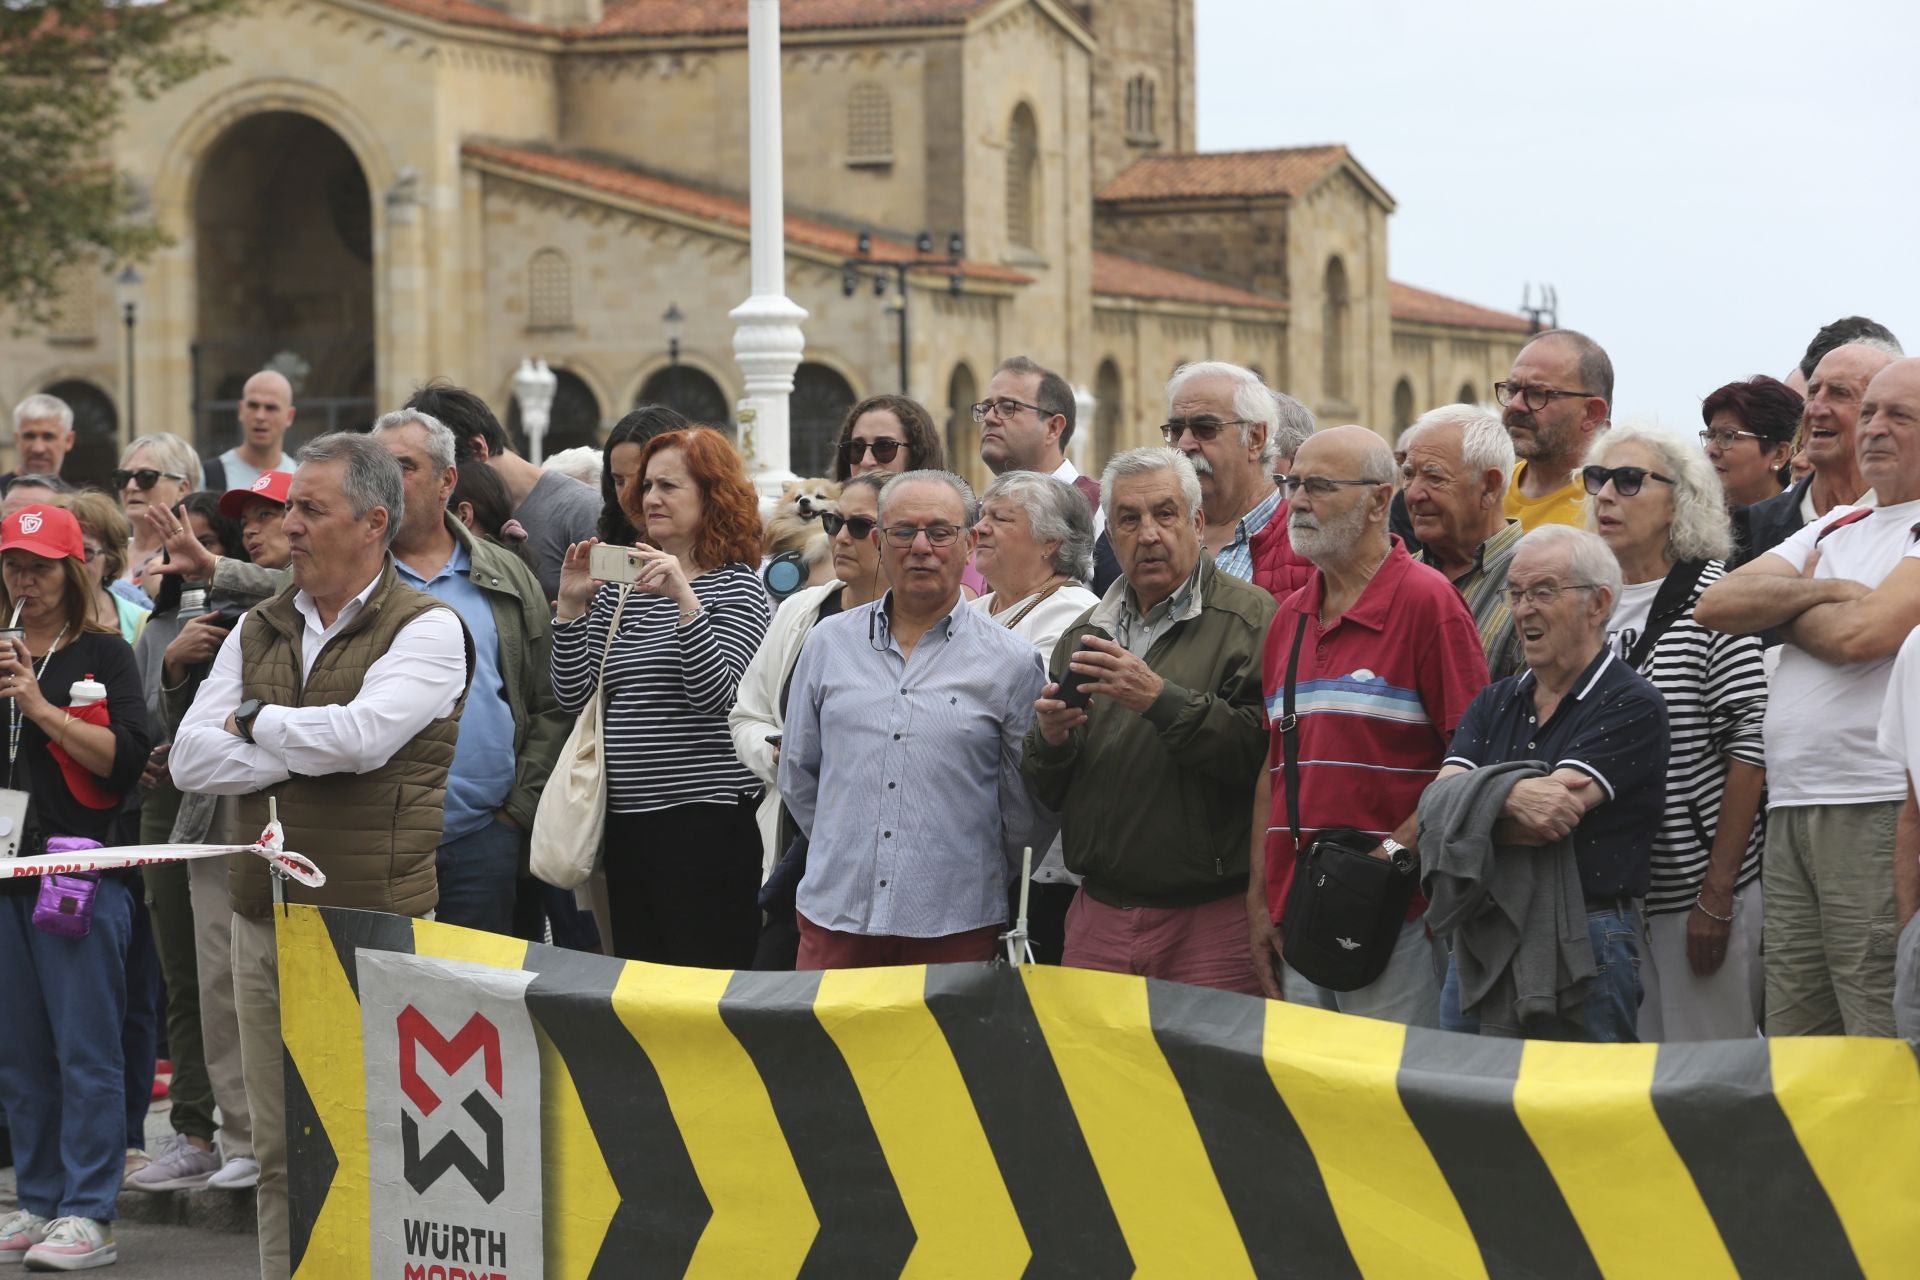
[236, 1174]
[19, 1232]
[74, 1244]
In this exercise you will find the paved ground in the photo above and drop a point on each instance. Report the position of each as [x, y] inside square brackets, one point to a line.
[221, 1246]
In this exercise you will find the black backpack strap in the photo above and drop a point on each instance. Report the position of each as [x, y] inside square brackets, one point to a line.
[1290, 736]
[1669, 606]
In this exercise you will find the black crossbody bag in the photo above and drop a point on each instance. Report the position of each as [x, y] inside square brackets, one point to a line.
[1346, 907]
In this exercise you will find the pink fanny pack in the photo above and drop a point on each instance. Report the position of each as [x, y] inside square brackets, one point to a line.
[64, 908]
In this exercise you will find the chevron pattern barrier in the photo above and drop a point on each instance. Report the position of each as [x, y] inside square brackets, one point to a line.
[978, 1121]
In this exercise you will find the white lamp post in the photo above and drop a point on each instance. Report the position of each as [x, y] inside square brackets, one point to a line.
[766, 339]
[533, 387]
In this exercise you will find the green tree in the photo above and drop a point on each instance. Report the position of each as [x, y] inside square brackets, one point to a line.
[67, 68]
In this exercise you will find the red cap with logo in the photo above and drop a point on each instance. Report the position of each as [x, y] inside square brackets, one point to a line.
[272, 485]
[45, 531]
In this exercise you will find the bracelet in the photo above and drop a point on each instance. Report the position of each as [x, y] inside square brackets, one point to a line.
[1701, 907]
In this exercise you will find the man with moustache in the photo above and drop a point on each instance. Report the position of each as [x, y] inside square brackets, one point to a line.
[1224, 418]
[1386, 659]
[1557, 398]
[1827, 423]
[1152, 776]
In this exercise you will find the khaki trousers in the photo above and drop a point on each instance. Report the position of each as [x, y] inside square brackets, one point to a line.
[256, 992]
[1830, 921]
[219, 1027]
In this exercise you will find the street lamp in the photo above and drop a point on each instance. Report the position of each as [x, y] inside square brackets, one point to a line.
[852, 270]
[126, 288]
[533, 387]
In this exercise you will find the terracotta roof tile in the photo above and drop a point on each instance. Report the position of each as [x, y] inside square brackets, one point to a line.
[705, 17]
[1121, 277]
[666, 194]
[1282, 171]
[1422, 306]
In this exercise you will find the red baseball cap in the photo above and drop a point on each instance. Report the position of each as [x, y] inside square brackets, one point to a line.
[272, 485]
[46, 531]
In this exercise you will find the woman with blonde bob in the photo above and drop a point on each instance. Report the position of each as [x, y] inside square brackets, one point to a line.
[1657, 503]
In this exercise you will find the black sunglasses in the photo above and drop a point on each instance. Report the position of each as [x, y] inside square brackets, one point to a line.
[883, 450]
[859, 526]
[145, 477]
[1626, 480]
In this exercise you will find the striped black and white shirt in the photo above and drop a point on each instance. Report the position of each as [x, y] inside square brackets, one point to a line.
[1716, 694]
[669, 688]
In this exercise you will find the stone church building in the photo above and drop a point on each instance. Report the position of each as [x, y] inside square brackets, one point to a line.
[371, 193]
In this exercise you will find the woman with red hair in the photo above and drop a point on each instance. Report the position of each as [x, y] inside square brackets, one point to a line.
[682, 854]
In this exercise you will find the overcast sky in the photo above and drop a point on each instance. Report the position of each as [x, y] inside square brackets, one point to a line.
[1706, 183]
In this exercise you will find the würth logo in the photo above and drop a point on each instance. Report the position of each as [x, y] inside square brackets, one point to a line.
[479, 1036]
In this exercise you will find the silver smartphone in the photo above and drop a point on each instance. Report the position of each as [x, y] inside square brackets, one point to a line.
[614, 564]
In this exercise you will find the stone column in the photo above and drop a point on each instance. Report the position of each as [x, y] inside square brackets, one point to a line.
[766, 340]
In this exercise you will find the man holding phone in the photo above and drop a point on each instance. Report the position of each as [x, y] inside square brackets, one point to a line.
[1149, 742]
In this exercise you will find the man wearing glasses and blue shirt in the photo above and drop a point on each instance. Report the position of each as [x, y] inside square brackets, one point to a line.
[901, 760]
[1557, 399]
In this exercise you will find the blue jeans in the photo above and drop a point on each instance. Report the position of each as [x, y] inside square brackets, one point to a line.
[140, 1031]
[1613, 997]
[477, 874]
[62, 1079]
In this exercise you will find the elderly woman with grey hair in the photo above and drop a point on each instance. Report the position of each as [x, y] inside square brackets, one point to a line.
[155, 472]
[1657, 503]
[1035, 540]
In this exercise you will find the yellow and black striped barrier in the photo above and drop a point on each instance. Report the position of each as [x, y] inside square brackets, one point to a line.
[465, 1106]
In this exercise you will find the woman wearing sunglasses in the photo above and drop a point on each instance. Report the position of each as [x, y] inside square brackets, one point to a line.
[1657, 503]
[155, 471]
[761, 708]
[888, 434]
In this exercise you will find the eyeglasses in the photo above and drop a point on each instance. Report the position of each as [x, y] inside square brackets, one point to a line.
[1005, 409]
[938, 535]
[90, 553]
[861, 527]
[883, 450]
[1726, 438]
[1202, 428]
[1535, 398]
[145, 478]
[1318, 486]
[1626, 480]
[1544, 594]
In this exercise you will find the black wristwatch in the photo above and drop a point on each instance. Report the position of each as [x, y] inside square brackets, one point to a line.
[243, 717]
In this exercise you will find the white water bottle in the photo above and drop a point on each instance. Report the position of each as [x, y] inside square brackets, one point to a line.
[84, 693]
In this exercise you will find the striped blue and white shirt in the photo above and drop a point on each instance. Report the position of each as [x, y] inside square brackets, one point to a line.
[1236, 557]
[904, 771]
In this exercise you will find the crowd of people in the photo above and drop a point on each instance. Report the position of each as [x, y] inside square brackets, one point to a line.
[1525, 724]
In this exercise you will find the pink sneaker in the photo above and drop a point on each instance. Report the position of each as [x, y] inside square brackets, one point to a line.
[19, 1232]
[74, 1244]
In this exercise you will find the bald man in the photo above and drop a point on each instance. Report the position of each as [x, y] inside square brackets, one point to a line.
[1383, 658]
[266, 411]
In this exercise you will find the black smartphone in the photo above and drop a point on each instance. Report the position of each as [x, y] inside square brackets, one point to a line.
[226, 617]
[773, 739]
[1070, 691]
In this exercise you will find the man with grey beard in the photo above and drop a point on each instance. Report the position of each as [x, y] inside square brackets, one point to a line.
[1394, 662]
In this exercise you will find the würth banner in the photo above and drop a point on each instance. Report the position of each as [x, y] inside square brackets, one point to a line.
[464, 1106]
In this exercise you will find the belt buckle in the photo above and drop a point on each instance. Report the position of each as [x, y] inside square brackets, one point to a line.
[1288, 723]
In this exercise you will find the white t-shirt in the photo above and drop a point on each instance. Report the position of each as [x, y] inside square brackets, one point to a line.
[1630, 614]
[1900, 732]
[1823, 720]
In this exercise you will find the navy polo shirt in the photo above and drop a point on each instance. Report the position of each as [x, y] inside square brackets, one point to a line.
[1612, 726]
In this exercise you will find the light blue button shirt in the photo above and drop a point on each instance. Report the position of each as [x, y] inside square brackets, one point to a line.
[483, 757]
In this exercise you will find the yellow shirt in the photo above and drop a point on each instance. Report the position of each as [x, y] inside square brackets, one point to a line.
[1562, 506]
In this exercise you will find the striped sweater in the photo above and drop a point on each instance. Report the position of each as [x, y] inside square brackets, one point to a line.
[669, 689]
[1716, 694]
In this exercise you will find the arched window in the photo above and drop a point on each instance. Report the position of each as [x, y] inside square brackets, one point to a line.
[869, 124]
[1108, 413]
[573, 421]
[1023, 179]
[962, 437]
[1466, 395]
[690, 393]
[1141, 126]
[815, 411]
[549, 290]
[96, 431]
[1402, 407]
[1333, 325]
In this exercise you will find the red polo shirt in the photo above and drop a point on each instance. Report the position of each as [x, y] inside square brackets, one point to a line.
[1378, 694]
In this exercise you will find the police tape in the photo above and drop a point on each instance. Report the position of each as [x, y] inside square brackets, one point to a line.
[270, 846]
[466, 1106]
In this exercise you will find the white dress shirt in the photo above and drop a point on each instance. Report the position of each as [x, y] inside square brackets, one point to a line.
[415, 682]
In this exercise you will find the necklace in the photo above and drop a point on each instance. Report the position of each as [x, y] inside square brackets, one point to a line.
[13, 706]
[1033, 604]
